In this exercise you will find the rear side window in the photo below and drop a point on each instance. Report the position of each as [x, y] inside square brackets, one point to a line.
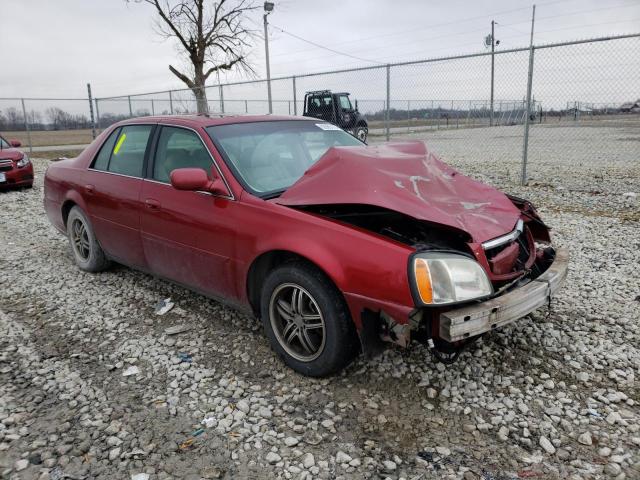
[127, 154]
[320, 103]
[127, 157]
[102, 160]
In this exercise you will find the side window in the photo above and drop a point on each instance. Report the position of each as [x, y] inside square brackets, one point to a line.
[179, 148]
[345, 103]
[102, 159]
[127, 157]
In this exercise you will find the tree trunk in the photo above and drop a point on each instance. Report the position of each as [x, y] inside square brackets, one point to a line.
[199, 90]
[201, 99]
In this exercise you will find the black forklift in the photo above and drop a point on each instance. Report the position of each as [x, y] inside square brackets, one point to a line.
[336, 108]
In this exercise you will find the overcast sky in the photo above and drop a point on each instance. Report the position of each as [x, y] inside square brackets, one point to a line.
[53, 48]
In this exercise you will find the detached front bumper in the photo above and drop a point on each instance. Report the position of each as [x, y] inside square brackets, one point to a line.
[473, 320]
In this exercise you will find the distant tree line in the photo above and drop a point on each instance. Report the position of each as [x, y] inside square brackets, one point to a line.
[54, 118]
[444, 113]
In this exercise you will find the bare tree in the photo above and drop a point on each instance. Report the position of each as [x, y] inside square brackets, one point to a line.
[211, 35]
[15, 119]
[61, 120]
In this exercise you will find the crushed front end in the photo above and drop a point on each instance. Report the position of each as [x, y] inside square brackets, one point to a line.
[524, 271]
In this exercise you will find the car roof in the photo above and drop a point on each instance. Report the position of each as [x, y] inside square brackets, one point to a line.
[211, 120]
[319, 93]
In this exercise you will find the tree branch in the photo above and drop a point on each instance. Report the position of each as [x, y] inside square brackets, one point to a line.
[182, 77]
[170, 24]
[224, 66]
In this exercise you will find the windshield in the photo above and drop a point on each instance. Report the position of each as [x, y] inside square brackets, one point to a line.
[269, 157]
[4, 143]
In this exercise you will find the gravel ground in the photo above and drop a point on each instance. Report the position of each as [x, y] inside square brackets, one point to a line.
[91, 385]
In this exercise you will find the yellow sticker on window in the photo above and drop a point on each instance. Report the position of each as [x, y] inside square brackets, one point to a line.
[119, 144]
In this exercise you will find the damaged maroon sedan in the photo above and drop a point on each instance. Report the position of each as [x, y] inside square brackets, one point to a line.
[337, 246]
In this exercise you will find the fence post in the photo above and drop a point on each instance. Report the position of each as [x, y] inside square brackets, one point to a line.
[26, 126]
[246, 107]
[295, 105]
[93, 122]
[525, 147]
[493, 56]
[170, 102]
[97, 113]
[153, 108]
[388, 106]
[130, 110]
[408, 116]
[221, 98]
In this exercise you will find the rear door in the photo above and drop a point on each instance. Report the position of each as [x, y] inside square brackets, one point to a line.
[112, 193]
[187, 236]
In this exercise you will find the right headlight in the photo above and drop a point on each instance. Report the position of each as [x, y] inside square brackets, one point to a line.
[23, 162]
[441, 278]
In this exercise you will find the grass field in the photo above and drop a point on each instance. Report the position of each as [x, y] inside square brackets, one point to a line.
[56, 154]
[51, 137]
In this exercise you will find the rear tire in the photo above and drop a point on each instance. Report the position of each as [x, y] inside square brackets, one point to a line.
[307, 320]
[85, 248]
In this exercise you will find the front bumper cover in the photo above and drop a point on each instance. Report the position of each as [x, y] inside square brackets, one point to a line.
[17, 177]
[470, 321]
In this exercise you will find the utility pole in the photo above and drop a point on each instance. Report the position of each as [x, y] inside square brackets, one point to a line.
[268, 8]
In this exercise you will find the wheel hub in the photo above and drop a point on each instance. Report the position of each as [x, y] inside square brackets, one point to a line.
[297, 322]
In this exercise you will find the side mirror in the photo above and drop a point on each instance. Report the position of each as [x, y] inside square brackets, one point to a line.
[15, 143]
[196, 179]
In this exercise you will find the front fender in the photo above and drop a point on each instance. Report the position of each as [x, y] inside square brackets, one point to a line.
[369, 270]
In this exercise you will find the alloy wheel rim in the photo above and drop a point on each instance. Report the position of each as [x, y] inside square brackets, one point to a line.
[362, 134]
[80, 239]
[297, 322]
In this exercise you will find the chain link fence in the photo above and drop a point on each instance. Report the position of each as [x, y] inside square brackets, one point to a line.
[584, 102]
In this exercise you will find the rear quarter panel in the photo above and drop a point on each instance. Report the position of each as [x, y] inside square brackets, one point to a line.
[62, 178]
[59, 186]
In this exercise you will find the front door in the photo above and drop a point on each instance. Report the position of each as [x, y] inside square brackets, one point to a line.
[112, 193]
[187, 236]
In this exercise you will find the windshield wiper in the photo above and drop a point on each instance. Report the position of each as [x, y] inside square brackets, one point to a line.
[270, 195]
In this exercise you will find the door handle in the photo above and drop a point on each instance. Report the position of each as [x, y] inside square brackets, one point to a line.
[152, 204]
[89, 189]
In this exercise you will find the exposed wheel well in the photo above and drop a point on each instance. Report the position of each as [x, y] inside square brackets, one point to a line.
[362, 123]
[261, 267]
[66, 208]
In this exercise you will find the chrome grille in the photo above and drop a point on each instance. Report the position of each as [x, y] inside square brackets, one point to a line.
[6, 165]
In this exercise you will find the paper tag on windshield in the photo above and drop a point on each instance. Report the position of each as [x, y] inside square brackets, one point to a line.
[327, 126]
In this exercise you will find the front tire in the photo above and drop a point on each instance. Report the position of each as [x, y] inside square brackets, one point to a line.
[307, 320]
[361, 132]
[85, 248]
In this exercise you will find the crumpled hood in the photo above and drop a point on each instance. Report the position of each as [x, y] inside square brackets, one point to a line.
[10, 154]
[407, 178]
